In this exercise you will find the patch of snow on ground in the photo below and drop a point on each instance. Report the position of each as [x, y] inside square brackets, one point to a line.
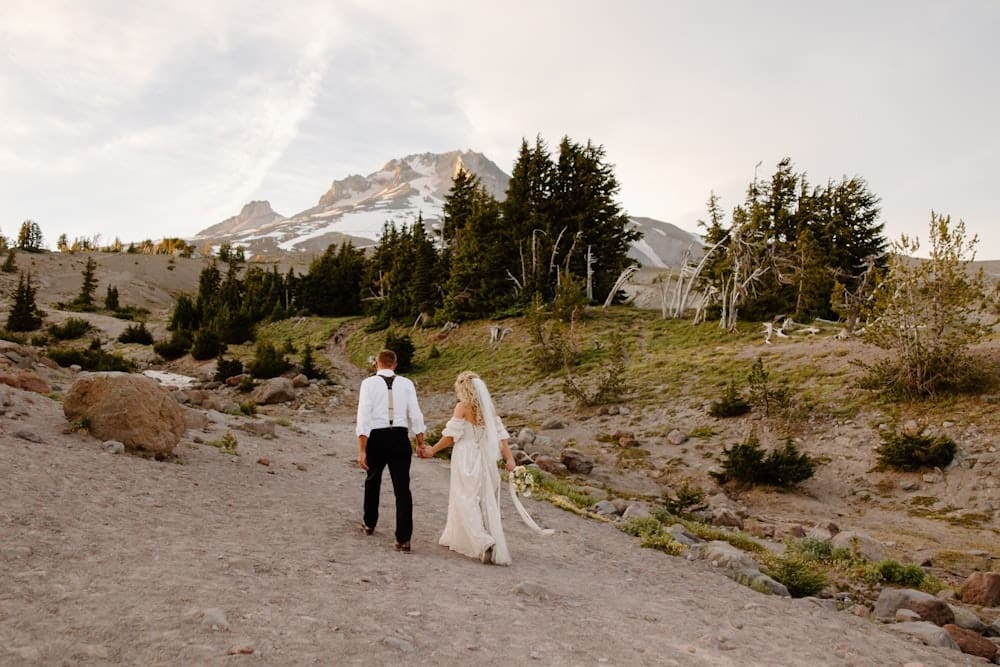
[171, 379]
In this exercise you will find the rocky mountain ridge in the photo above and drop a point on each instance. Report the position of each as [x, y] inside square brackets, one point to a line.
[357, 208]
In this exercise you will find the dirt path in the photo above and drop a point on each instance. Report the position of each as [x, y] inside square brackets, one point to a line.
[110, 559]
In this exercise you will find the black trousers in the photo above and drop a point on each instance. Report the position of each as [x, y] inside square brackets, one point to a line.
[390, 447]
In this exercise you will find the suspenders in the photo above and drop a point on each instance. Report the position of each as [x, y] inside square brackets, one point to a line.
[388, 385]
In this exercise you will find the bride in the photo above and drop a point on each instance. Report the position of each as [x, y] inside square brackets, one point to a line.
[473, 527]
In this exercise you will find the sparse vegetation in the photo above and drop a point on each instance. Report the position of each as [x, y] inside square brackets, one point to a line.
[227, 444]
[90, 359]
[136, 333]
[748, 462]
[913, 450]
[73, 327]
[730, 404]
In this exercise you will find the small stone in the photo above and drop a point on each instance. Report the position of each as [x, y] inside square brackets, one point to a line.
[240, 650]
[399, 644]
[113, 447]
[264, 461]
[215, 619]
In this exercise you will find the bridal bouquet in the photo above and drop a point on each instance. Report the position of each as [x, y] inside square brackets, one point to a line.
[523, 481]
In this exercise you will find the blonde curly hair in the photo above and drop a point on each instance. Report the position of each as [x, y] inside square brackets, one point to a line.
[467, 394]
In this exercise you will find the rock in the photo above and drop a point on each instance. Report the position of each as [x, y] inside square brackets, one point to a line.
[553, 424]
[25, 380]
[755, 579]
[274, 390]
[132, 409]
[677, 437]
[723, 554]
[683, 535]
[966, 619]
[981, 588]
[605, 508]
[526, 436]
[195, 420]
[262, 428]
[635, 511]
[930, 608]
[30, 436]
[264, 461]
[533, 590]
[972, 642]
[543, 441]
[236, 380]
[861, 544]
[399, 644]
[907, 615]
[909, 485]
[113, 446]
[723, 516]
[300, 381]
[625, 439]
[935, 477]
[214, 619]
[548, 464]
[576, 461]
[928, 633]
[240, 650]
[911, 429]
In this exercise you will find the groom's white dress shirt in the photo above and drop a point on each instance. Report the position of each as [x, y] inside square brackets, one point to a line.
[373, 404]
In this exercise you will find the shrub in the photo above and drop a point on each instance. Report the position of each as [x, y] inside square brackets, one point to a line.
[763, 393]
[612, 383]
[267, 361]
[662, 542]
[177, 346]
[90, 359]
[227, 368]
[748, 462]
[136, 333]
[249, 408]
[913, 451]
[800, 577]
[227, 444]
[641, 526]
[811, 548]
[895, 573]
[206, 344]
[731, 404]
[74, 327]
[309, 368]
[688, 499]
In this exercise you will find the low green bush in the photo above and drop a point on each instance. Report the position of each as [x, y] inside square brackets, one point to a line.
[74, 327]
[267, 362]
[801, 577]
[730, 404]
[748, 462]
[909, 451]
[90, 359]
[136, 333]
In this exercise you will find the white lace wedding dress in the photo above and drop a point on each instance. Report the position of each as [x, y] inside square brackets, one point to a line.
[473, 524]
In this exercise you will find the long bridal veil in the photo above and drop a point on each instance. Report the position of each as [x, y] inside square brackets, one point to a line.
[492, 453]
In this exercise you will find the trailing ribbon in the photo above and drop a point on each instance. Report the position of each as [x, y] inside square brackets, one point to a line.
[525, 517]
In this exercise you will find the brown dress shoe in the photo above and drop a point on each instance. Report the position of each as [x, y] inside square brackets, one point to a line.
[403, 546]
[366, 530]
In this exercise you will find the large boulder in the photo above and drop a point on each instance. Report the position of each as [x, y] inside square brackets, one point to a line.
[132, 409]
[981, 588]
[931, 609]
[972, 642]
[860, 544]
[275, 390]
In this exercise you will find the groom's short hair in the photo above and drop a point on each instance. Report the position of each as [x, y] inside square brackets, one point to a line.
[387, 358]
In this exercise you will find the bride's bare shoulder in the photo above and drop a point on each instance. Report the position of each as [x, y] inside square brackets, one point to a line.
[461, 411]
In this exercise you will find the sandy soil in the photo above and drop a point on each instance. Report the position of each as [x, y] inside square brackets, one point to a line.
[116, 559]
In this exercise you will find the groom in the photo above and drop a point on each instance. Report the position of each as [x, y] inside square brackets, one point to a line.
[387, 405]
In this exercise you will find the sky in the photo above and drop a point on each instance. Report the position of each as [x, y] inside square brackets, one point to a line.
[144, 119]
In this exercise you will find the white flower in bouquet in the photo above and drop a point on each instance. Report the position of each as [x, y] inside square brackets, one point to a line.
[524, 482]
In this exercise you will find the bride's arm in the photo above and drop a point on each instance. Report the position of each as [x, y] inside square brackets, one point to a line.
[507, 455]
[447, 441]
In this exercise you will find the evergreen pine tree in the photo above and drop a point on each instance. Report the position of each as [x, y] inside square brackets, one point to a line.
[9, 265]
[85, 300]
[111, 299]
[24, 314]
